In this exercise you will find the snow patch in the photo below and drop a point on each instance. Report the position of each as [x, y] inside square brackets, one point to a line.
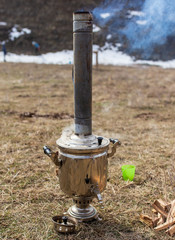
[26, 30]
[135, 13]
[105, 15]
[107, 55]
[109, 36]
[141, 22]
[3, 24]
[96, 28]
[95, 47]
[15, 33]
[118, 45]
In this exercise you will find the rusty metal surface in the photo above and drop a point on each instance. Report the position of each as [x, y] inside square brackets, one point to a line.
[82, 46]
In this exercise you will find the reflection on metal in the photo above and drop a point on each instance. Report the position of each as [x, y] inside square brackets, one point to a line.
[82, 157]
[96, 190]
[64, 224]
[82, 161]
[82, 210]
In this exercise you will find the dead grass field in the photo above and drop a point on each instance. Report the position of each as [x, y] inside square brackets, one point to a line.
[134, 104]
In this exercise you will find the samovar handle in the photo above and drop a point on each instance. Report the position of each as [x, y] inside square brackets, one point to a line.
[116, 143]
[54, 156]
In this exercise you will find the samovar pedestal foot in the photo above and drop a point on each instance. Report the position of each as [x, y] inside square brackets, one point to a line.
[83, 211]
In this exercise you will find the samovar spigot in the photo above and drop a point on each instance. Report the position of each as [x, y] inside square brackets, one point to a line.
[96, 191]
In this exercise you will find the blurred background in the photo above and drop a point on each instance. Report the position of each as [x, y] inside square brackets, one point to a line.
[141, 29]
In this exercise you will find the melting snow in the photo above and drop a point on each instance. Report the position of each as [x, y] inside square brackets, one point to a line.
[16, 34]
[3, 24]
[96, 28]
[95, 47]
[109, 36]
[141, 22]
[118, 45]
[108, 55]
[26, 30]
[136, 13]
[105, 15]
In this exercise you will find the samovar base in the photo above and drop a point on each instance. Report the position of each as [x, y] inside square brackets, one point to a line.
[83, 214]
[82, 210]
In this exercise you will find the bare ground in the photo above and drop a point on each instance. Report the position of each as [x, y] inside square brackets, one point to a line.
[134, 104]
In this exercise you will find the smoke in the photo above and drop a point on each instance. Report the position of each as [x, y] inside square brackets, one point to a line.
[107, 10]
[153, 26]
[111, 9]
[144, 24]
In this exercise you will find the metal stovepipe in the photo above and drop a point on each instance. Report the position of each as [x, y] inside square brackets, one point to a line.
[82, 72]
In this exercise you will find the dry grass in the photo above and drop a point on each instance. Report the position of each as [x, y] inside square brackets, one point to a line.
[134, 104]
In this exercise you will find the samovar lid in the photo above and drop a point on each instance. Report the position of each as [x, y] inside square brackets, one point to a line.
[82, 143]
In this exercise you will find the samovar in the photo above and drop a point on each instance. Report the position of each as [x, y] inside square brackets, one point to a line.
[82, 158]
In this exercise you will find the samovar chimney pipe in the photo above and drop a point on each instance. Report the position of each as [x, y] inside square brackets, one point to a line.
[82, 72]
